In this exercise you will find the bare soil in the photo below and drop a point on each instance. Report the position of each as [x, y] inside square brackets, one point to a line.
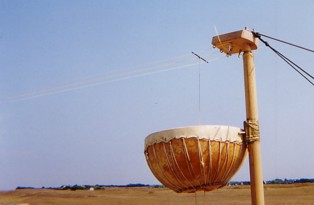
[293, 194]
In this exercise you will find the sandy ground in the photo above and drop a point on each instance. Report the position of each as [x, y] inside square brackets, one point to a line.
[296, 194]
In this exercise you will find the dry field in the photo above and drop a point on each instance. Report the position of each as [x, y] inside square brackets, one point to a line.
[296, 194]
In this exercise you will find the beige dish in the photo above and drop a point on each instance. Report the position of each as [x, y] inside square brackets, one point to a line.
[195, 158]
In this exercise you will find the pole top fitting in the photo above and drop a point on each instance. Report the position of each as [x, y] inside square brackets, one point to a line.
[235, 42]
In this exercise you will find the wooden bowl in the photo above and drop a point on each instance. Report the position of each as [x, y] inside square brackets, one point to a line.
[195, 158]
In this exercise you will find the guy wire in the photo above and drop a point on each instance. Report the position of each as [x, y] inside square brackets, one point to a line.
[276, 39]
[297, 68]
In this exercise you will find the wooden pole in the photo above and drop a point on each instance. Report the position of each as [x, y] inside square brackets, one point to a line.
[252, 129]
[244, 41]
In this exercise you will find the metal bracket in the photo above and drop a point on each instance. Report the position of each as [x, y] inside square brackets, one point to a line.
[252, 132]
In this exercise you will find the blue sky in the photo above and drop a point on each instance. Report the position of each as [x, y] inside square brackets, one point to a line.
[80, 90]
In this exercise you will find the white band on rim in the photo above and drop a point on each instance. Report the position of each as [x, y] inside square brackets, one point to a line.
[211, 132]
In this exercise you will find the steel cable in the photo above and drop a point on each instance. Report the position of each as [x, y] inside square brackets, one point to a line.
[297, 68]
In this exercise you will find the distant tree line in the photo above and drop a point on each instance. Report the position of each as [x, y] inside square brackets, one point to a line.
[276, 181]
[290, 181]
[98, 187]
[93, 187]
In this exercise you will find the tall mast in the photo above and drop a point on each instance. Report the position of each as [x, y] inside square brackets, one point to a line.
[238, 42]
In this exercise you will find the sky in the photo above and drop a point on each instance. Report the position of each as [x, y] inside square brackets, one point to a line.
[82, 83]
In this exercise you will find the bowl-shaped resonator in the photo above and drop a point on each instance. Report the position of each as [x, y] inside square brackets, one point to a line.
[195, 158]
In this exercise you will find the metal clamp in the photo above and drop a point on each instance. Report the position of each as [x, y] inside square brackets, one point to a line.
[252, 132]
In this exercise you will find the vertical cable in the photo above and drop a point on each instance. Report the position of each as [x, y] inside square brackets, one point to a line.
[199, 91]
[195, 198]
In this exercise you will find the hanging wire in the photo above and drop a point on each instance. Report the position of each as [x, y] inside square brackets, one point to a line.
[204, 197]
[307, 76]
[199, 83]
[199, 90]
[195, 197]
